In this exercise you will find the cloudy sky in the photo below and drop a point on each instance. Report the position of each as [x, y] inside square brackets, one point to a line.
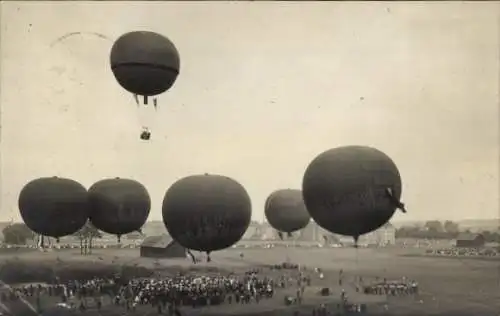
[263, 89]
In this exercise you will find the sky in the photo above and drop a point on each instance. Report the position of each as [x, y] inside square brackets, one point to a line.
[263, 88]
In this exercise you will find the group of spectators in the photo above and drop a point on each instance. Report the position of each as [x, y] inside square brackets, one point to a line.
[167, 293]
[69, 246]
[392, 288]
[464, 252]
[195, 291]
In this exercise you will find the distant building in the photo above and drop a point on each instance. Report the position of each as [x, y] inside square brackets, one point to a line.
[161, 247]
[267, 232]
[470, 240]
[384, 236]
[313, 233]
[310, 232]
[154, 228]
[253, 232]
[307, 233]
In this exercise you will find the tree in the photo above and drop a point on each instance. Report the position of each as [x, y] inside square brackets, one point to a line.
[86, 235]
[451, 227]
[495, 237]
[17, 234]
[409, 232]
[487, 235]
[491, 236]
[434, 226]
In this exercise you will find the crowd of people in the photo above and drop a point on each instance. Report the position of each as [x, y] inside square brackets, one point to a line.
[392, 288]
[195, 291]
[59, 246]
[464, 252]
[167, 293]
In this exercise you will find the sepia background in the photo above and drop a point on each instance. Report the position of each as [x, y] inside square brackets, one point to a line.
[263, 89]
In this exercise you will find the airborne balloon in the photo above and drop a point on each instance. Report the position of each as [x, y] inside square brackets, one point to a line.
[118, 206]
[206, 212]
[144, 63]
[352, 190]
[54, 207]
[285, 211]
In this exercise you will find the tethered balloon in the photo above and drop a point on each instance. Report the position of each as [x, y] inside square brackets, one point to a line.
[352, 190]
[54, 207]
[285, 211]
[206, 212]
[119, 206]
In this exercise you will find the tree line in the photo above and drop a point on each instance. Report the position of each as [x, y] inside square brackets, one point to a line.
[20, 234]
[442, 230]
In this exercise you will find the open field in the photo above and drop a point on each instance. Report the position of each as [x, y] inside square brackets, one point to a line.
[447, 287]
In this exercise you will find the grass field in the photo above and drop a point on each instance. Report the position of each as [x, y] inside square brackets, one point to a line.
[447, 286]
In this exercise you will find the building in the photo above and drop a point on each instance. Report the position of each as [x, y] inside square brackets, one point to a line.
[470, 240]
[310, 233]
[267, 232]
[253, 232]
[384, 236]
[154, 228]
[161, 247]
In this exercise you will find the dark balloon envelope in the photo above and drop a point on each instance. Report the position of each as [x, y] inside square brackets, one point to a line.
[206, 212]
[145, 63]
[119, 206]
[352, 190]
[54, 207]
[285, 211]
